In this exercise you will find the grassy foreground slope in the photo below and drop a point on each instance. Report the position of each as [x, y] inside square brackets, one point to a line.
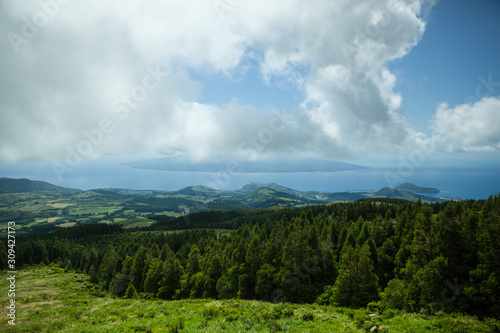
[50, 299]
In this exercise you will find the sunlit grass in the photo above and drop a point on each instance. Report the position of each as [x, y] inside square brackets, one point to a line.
[50, 299]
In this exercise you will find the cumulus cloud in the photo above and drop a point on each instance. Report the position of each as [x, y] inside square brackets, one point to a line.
[111, 77]
[469, 127]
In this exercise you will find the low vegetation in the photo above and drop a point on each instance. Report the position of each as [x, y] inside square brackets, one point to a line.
[53, 299]
[383, 264]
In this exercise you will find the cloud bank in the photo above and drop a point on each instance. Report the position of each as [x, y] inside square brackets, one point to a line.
[93, 78]
[469, 127]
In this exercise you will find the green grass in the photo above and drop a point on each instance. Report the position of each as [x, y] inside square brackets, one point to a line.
[93, 210]
[50, 299]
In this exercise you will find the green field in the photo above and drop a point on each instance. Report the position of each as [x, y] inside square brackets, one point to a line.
[128, 208]
[30, 210]
[39, 208]
[166, 232]
[50, 299]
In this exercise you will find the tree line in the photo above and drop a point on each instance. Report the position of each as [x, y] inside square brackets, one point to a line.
[394, 254]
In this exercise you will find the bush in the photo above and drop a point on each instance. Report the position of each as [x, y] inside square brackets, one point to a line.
[176, 327]
[493, 324]
[308, 316]
[463, 324]
[146, 296]
[394, 295]
[390, 313]
[348, 312]
[210, 311]
[325, 297]
[373, 307]
[283, 311]
[274, 326]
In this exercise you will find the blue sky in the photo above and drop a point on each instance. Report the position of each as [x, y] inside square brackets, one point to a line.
[250, 89]
[367, 82]
[461, 44]
[459, 47]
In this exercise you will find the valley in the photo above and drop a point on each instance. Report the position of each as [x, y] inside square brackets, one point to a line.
[39, 207]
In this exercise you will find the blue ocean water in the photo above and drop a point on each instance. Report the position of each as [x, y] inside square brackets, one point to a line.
[459, 182]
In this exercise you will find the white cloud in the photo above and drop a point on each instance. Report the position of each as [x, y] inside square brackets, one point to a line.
[77, 68]
[469, 127]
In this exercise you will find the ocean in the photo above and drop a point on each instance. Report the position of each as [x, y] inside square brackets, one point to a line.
[456, 182]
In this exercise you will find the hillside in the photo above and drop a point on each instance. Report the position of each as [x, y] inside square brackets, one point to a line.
[273, 186]
[386, 192]
[60, 300]
[23, 185]
[416, 189]
[403, 194]
[199, 190]
[40, 207]
[324, 268]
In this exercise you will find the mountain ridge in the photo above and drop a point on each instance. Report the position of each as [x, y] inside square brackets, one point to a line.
[21, 185]
[48, 207]
[280, 193]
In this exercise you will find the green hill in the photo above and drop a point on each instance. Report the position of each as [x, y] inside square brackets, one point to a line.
[273, 186]
[198, 191]
[385, 192]
[9, 185]
[60, 300]
[416, 189]
[407, 195]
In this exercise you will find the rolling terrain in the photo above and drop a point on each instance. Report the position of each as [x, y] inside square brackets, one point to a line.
[40, 207]
[167, 261]
[59, 300]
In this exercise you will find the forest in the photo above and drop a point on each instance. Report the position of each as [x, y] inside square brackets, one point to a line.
[381, 254]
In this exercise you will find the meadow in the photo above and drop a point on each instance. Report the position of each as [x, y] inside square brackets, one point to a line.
[53, 299]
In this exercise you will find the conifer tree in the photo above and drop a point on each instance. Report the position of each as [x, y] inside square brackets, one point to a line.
[170, 283]
[386, 257]
[153, 276]
[138, 267]
[213, 274]
[266, 282]
[131, 292]
[356, 284]
[192, 280]
[94, 277]
[485, 278]
[227, 286]
[107, 267]
[249, 269]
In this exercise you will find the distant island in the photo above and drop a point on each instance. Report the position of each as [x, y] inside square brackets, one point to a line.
[281, 165]
[416, 189]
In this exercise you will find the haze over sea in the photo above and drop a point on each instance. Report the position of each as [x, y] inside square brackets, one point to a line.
[374, 83]
[460, 182]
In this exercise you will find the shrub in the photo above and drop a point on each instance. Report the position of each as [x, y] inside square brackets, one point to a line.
[283, 311]
[176, 327]
[274, 326]
[493, 324]
[308, 316]
[394, 295]
[373, 307]
[210, 311]
[325, 297]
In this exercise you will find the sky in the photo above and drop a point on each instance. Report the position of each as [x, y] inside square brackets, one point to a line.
[362, 82]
